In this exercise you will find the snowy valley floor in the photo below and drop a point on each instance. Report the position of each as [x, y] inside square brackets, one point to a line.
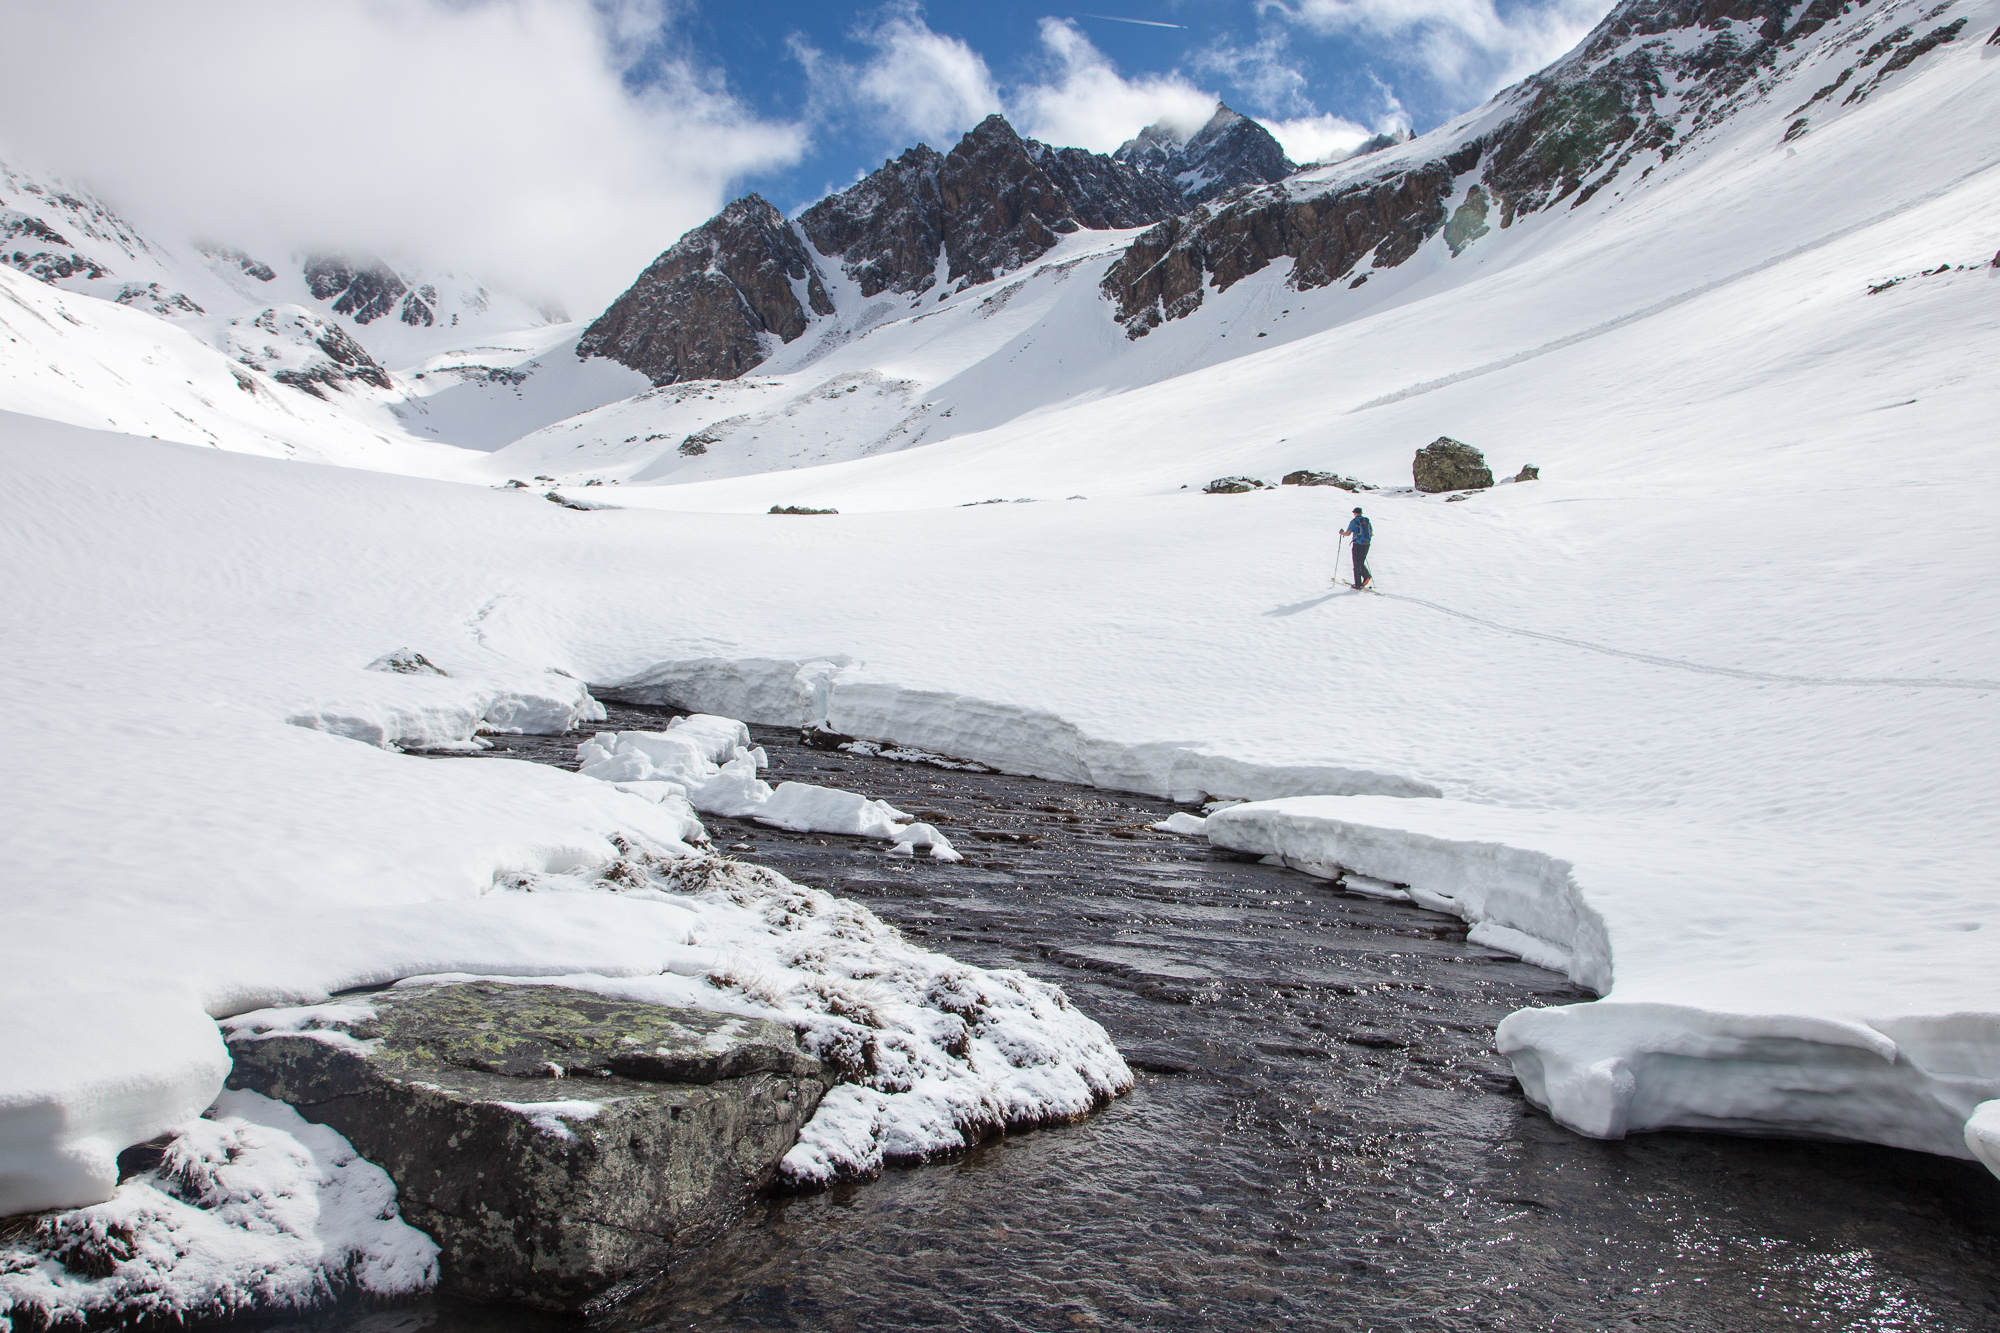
[1774, 782]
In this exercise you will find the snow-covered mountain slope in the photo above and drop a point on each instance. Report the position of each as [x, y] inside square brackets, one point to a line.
[401, 359]
[1524, 223]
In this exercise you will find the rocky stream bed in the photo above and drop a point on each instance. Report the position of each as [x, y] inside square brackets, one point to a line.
[1321, 1137]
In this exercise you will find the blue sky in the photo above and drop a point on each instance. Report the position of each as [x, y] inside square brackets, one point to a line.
[866, 81]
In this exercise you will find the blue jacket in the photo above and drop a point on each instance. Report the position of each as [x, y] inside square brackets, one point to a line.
[1361, 530]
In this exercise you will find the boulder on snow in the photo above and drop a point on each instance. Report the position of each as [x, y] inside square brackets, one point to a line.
[1528, 472]
[1235, 485]
[1446, 464]
[552, 1141]
[1305, 477]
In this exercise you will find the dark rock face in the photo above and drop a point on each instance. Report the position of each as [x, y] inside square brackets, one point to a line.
[1229, 152]
[995, 202]
[420, 306]
[1163, 274]
[552, 1141]
[346, 359]
[704, 308]
[364, 290]
[1446, 464]
[51, 266]
[1235, 485]
[1528, 472]
[888, 227]
[1570, 130]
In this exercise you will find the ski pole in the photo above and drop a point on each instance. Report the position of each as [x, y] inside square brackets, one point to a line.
[1339, 545]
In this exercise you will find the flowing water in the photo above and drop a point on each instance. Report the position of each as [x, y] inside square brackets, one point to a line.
[1321, 1137]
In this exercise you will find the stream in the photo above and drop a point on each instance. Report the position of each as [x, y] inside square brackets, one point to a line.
[1322, 1136]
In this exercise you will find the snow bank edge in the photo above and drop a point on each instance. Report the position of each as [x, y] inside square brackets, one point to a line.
[837, 692]
[1608, 1068]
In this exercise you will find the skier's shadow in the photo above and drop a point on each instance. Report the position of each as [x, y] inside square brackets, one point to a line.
[1307, 605]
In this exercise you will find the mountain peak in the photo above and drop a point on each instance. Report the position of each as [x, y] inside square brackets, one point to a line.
[1228, 151]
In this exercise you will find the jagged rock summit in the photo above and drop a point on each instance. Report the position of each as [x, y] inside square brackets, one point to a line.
[722, 298]
[1231, 150]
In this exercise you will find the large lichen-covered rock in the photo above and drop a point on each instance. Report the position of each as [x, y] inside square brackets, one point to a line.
[1446, 464]
[1235, 485]
[552, 1141]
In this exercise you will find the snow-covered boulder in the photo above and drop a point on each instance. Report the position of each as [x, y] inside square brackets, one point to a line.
[248, 1208]
[628, 1131]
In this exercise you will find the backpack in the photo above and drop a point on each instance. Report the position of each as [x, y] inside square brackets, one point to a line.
[1367, 533]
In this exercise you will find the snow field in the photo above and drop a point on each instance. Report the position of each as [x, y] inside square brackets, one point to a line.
[250, 1208]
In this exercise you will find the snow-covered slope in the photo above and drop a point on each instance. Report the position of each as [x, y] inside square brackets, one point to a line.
[402, 359]
[1708, 177]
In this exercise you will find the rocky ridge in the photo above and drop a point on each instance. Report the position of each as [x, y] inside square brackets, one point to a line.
[718, 301]
[1653, 75]
[1228, 153]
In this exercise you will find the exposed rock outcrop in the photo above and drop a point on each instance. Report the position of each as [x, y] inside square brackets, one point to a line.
[710, 306]
[715, 304]
[996, 201]
[1307, 477]
[1446, 464]
[363, 290]
[301, 348]
[1235, 485]
[552, 1141]
[1229, 152]
[1164, 272]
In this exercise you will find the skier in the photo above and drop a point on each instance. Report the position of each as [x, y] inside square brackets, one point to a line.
[1363, 532]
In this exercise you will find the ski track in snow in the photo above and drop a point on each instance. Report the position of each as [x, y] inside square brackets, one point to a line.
[1662, 306]
[1739, 673]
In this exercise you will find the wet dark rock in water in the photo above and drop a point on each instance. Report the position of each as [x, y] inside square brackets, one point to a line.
[1322, 1136]
[553, 1142]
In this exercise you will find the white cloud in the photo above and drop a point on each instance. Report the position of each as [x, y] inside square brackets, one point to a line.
[499, 137]
[1467, 46]
[1264, 72]
[931, 85]
[1323, 138]
[1084, 102]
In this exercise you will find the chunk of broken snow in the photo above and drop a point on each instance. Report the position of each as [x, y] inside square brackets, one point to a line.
[805, 808]
[251, 1206]
[1180, 821]
[912, 837]
[718, 738]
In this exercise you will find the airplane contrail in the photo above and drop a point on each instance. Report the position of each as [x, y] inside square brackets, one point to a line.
[1113, 18]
